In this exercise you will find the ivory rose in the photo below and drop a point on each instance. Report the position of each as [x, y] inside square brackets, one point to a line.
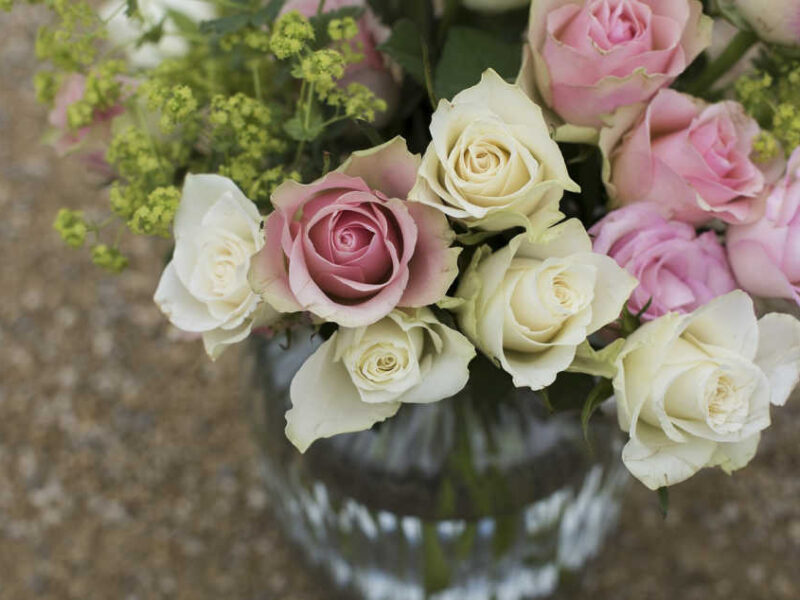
[374, 70]
[678, 270]
[587, 58]
[694, 391]
[369, 372]
[775, 21]
[765, 255]
[690, 158]
[205, 287]
[491, 163]
[124, 31]
[530, 305]
[349, 248]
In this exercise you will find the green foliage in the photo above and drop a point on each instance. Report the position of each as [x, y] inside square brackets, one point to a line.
[601, 392]
[467, 54]
[155, 215]
[405, 47]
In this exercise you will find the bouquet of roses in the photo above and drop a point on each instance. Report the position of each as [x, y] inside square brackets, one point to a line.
[559, 185]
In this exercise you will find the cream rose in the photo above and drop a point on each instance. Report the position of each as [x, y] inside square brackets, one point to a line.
[492, 163]
[124, 31]
[205, 287]
[694, 390]
[530, 305]
[361, 376]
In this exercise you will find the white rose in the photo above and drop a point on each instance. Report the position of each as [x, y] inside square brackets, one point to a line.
[694, 390]
[492, 163]
[361, 376]
[776, 21]
[530, 305]
[205, 288]
[123, 30]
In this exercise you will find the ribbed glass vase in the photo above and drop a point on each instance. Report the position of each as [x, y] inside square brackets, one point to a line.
[482, 495]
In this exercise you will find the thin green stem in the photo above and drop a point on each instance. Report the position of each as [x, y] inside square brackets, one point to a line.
[426, 61]
[737, 48]
[257, 80]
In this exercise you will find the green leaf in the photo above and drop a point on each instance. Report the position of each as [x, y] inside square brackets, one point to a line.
[131, 6]
[225, 25]
[405, 47]
[152, 35]
[467, 54]
[269, 13]
[601, 392]
[663, 500]
[182, 22]
[599, 363]
[302, 132]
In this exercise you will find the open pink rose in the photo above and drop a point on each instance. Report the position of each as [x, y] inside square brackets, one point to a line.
[373, 71]
[349, 248]
[93, 138]
[587, 58]
[765, 255]
[690, 158]
[678, 271]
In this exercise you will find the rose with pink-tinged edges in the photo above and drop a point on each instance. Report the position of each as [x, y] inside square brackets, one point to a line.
[690, 158]
[678, 271]
[92, 140]
[349, 247]
[587, 58]
[765, 255]
[373, 71]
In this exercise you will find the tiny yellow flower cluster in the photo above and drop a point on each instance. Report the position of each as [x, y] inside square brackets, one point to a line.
[155, 216]
[109, 258]
[70, 43]
[291, 35]
[71, 227]
[103, 90]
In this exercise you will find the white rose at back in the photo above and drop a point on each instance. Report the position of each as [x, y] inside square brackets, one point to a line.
[695, 390]
[205, 288]
[124, 30]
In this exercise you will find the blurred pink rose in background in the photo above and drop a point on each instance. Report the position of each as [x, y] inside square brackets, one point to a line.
[93, 139]
[690, 158]
[775, 21]
[587, 58]
[679, 270]
[765, 255]
[349, 248]
[373, 71]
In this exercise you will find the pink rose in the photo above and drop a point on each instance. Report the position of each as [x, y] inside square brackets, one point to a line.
[679, 270]
[93, 138]
[765, 255]
[587, 58]
[690, 158]
[373, 71]
[349, 248]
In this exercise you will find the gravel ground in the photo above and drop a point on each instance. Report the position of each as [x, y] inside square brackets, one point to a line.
[126, 464]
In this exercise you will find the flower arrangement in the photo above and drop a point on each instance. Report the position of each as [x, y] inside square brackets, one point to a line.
[427, 181]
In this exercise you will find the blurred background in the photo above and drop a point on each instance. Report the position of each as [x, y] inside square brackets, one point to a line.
[127, 470]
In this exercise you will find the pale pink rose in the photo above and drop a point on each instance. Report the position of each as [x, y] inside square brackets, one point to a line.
[678, 271]
[349, 248]
[765, 255]
[690, 158]
[92, 139]
[587, 58]
[374, 70]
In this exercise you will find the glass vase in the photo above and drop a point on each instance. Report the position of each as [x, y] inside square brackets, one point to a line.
[482, 495]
